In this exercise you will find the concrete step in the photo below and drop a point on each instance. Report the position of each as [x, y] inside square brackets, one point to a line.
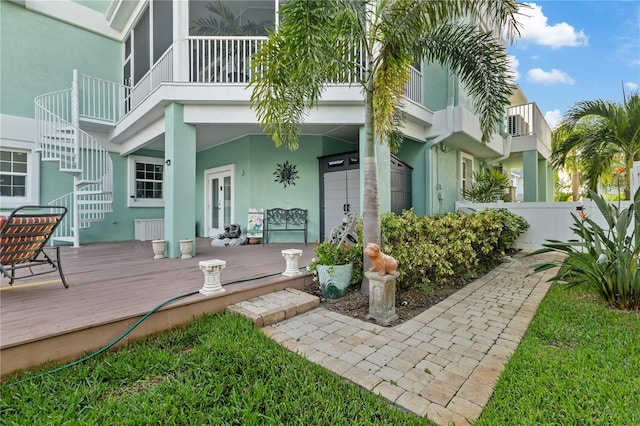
[277, 306]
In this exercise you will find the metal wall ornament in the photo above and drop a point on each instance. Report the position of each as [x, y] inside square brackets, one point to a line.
[286, 174]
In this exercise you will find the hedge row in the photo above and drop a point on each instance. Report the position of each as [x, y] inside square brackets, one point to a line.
[451, 248]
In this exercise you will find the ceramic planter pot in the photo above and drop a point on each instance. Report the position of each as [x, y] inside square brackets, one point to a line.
[335, 280]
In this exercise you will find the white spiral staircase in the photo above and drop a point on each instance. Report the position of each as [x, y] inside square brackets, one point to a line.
[60, 139]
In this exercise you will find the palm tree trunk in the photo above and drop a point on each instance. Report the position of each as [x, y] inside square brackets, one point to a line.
[371, 203]
[575, 185]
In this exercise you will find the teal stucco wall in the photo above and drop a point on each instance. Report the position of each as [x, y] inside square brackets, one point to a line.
[255, 158]
[38, 55]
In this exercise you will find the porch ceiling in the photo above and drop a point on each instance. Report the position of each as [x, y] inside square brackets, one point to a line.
[211, 135]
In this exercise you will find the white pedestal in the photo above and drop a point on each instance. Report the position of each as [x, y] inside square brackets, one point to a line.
[291, 256]
[212, 269]
[382, 297]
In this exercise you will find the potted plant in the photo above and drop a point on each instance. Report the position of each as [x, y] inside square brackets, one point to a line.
[336, 267]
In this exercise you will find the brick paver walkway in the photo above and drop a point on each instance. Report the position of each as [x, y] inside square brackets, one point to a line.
[442, 364]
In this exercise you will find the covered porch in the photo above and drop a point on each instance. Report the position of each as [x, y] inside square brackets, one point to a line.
[113, 285]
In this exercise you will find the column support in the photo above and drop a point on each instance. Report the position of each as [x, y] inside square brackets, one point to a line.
[530, 175]
[179, 180]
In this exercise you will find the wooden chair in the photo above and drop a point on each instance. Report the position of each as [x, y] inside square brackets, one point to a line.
[23, 236]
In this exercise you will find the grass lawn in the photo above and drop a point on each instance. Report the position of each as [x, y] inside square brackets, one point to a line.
[578, 364]
[221, 370]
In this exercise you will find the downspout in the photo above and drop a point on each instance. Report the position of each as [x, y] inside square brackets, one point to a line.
[435, 141]
[429, 184]
[506, 151]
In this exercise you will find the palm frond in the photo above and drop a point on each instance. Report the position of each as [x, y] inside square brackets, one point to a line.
[481, 64]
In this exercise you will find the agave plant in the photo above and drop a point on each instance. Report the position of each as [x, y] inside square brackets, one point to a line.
[607, 261]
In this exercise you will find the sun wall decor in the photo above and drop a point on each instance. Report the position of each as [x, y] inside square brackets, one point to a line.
[286, 174]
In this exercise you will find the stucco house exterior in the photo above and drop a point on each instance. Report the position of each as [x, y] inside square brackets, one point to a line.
[120, 111]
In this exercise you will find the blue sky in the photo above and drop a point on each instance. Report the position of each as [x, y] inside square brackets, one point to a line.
[573, 50]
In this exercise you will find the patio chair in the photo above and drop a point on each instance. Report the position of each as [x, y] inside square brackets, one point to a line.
[23, 235]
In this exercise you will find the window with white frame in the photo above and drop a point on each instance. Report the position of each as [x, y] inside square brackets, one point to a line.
[146, 181]
[19, 177]
[466, 172]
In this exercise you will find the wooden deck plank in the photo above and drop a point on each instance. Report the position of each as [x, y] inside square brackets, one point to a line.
[109, 282]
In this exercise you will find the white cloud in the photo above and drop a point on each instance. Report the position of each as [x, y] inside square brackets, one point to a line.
[538, 75]
[631, 85]
[536, 30]
[553, 118]
[512, 67]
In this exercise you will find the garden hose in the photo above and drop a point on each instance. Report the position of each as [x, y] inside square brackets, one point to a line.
[130, 329]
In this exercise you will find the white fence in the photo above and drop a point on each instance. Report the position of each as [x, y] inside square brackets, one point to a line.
[547, 221]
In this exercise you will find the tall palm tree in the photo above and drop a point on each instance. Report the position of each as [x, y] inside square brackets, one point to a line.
[603, 133]
[373, 43]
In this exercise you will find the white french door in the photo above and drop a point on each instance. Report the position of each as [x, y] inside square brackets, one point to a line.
[219, 199]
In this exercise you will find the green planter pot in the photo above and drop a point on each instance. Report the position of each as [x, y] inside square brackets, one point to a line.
[335, 280]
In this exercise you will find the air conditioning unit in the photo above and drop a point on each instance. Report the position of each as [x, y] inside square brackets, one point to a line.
[517, 126]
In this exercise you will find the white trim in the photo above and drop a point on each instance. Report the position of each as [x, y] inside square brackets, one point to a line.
[74, 14]
[32, 195]
[229, 169]
[132, 200]
[463, 156]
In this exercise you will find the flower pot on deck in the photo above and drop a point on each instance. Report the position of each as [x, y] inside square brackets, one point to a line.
[159, 248]
[186, 248]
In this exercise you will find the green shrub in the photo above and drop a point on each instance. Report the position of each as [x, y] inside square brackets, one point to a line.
[606, 261]
[512, 226]
[448, 249]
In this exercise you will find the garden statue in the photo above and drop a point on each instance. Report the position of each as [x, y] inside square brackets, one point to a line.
[382, 263]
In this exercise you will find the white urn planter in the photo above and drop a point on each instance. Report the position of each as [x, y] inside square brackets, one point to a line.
[159, 248]
[186, 248]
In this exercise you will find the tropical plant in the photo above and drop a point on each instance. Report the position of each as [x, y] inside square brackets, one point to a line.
[564, 155]
[316, 40]
[327, 254]
[488, 186]
[604, 135]
[223, 22]
[607, 261]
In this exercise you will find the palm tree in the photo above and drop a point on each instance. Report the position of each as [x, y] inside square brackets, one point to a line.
[603, 133]
[223, 22]
[373, 43]
[565, 155]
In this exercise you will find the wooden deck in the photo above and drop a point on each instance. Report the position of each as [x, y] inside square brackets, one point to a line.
[112, 285]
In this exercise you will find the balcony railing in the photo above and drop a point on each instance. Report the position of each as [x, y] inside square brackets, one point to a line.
[212, 60]
[413, 90]
[101, 100]
[222, 59]
[524, 120]
[160, 72]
